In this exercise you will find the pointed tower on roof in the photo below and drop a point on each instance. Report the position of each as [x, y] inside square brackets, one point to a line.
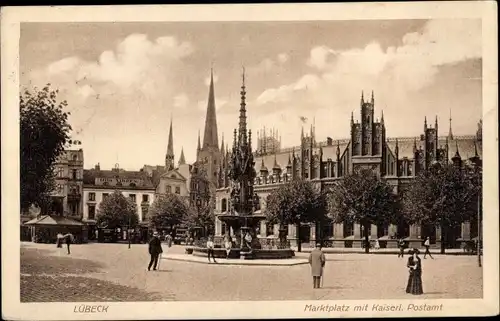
[209, 154]
[450, 133]
[210, 137]
[182, 159]
[169, 157]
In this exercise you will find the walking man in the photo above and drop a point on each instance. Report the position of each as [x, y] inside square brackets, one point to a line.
[317, 261]
[69, 240]
[210, 248]
[401, 244]
[427, 245]
[154, 250]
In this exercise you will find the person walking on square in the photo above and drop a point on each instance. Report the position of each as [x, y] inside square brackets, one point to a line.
[210, 249]
[401, 245]
[69, 240]
[317, 262]
[414, 265]
[427, 245]
[60, 239]
[377, 245]
[227, 245]
[168, 238]
[154, 250]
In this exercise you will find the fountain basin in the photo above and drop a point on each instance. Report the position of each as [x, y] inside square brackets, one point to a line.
[257, 254]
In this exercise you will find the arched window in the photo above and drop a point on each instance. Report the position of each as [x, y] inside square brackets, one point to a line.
[75, 157]
[224, 205]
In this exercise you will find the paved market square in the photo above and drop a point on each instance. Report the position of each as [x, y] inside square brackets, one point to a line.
[112, 272]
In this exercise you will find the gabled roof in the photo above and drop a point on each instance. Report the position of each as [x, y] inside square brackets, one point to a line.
[54, 221]
[174, 171]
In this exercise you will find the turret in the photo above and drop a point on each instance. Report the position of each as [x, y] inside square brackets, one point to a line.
[457, 159]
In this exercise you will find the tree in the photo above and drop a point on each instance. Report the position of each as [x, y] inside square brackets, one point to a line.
[296, 202]
[44, 130]
[201, 214]
[117, 211]
[365, 199]
[167, 210]
[444, 196]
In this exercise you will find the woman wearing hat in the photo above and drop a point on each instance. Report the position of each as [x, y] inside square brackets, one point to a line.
[415, 268]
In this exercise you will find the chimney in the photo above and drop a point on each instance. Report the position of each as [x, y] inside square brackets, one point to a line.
[98, 167]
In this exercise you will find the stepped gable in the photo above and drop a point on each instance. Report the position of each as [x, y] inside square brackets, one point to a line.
[282, 155]
[465, 146]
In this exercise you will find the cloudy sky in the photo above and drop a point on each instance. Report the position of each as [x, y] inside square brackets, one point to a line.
[124, 81]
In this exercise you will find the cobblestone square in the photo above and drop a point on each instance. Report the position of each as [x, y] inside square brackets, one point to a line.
[112, 272]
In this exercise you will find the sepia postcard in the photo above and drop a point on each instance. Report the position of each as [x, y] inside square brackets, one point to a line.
[250, 161]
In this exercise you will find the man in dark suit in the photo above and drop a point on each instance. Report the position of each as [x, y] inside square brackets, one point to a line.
[154, 250]
[317, 261]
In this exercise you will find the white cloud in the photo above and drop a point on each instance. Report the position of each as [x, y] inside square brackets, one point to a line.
[86, 91]
[395, 71]
[283, 57]
[318, 57]
[181, 101]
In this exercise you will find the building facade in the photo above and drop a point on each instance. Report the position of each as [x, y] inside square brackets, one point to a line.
[98, 184]
[397, 160]
[67, 195]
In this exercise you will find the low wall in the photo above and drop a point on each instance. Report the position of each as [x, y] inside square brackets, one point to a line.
[271, 254]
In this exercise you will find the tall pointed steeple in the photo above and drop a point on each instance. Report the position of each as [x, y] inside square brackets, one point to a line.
[242, 130]
[210, 137]
[169, 158]
[199, 146]
[450, 133]
[182, 159]
[222, 144]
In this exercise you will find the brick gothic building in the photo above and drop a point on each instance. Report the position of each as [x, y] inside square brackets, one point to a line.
[397, 160]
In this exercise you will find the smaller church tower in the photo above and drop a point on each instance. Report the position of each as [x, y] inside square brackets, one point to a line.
[169, 157]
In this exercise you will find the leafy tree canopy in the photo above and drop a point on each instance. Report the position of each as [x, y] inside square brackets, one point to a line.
[167, 210]
[200, 215]
[296, 202]
[444, 195]
[44, 130]
[363, 198]
[117, 211]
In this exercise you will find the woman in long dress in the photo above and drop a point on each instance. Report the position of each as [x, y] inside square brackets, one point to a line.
[415, 268]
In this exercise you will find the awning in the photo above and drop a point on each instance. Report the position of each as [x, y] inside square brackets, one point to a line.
[47, 220]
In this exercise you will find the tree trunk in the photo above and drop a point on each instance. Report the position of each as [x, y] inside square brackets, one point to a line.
[299, 241]
[367, 242]
[443, 245]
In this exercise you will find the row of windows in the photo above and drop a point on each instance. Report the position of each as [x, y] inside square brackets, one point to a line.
[145, 197]
[168, 189]
[75, 173]
[92, 212]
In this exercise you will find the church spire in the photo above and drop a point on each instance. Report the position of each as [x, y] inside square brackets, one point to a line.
[362, 98]
[210, 138]
[199, 146]
[182, 159]
[242, 131]
[450, 133]
[169, 158]
[222, 144]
